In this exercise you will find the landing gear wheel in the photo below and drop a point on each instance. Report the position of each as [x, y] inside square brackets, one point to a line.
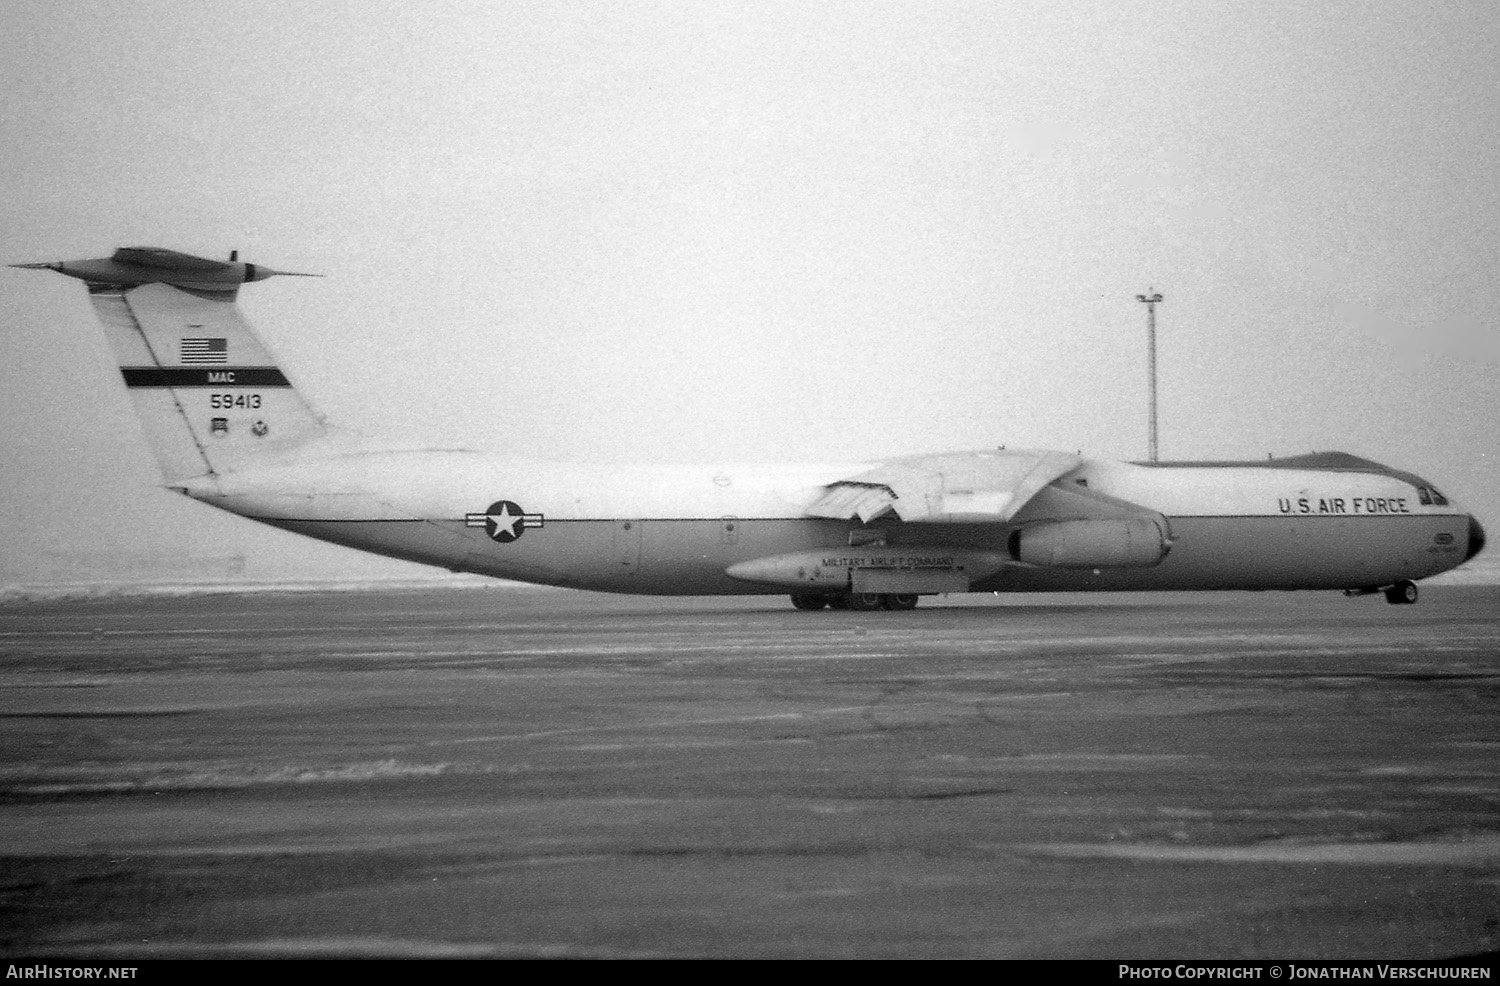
[809, 600]
[864, 602]
[901, 601]
[1402, 593]
[839, 600]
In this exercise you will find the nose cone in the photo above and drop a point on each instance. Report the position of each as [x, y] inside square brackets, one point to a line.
[1476, 538]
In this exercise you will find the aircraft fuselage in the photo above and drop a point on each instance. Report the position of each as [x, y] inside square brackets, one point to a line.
[677, 530]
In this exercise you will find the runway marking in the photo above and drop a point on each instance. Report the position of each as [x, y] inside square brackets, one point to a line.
[1478, 850]
[685, 744]
[230, 777]
[358, 947]
[586, 730]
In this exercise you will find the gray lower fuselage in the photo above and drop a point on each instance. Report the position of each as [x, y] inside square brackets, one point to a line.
[689, 556]
[1232, 527]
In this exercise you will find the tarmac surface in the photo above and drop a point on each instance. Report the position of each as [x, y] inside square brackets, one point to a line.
[546, 773]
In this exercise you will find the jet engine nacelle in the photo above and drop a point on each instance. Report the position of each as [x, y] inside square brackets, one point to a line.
[1124, 543]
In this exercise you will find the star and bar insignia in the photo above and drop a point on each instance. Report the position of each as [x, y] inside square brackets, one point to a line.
[504, 521]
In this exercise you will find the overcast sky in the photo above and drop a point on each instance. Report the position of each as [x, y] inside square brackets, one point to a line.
[760, 231]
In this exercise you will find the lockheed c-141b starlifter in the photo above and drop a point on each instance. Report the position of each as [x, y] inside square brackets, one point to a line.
[229, 429]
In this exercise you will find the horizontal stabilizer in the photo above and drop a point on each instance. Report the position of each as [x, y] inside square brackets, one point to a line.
[130, 267]
[163, 259]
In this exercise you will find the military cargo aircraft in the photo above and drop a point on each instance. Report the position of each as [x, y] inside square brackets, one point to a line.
[229, 429]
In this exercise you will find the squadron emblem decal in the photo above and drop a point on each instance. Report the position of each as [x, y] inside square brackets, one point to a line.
[504, 521]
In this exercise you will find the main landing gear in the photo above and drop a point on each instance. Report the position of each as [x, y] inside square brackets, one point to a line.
[1403, 593]
[862, 601]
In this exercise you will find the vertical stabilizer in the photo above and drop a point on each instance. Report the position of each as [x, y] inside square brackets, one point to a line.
[208, 393]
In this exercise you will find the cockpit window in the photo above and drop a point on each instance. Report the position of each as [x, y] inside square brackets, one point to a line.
[1430, 496]
[1424, 496]
[1438, 498]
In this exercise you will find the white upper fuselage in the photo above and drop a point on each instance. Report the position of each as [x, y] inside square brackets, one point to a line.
[449, 483]
[677, 528]
[348, 478]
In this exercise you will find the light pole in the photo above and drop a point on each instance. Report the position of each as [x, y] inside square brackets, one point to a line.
[1150, 301]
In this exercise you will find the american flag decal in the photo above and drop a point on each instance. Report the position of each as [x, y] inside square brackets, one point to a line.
[200, 351]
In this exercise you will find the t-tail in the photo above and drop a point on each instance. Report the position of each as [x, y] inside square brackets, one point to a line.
[208, 392]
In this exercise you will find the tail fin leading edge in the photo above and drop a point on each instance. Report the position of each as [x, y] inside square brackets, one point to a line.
[208, 393]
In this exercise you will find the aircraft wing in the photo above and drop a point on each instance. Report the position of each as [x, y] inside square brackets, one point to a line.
[975, 487]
